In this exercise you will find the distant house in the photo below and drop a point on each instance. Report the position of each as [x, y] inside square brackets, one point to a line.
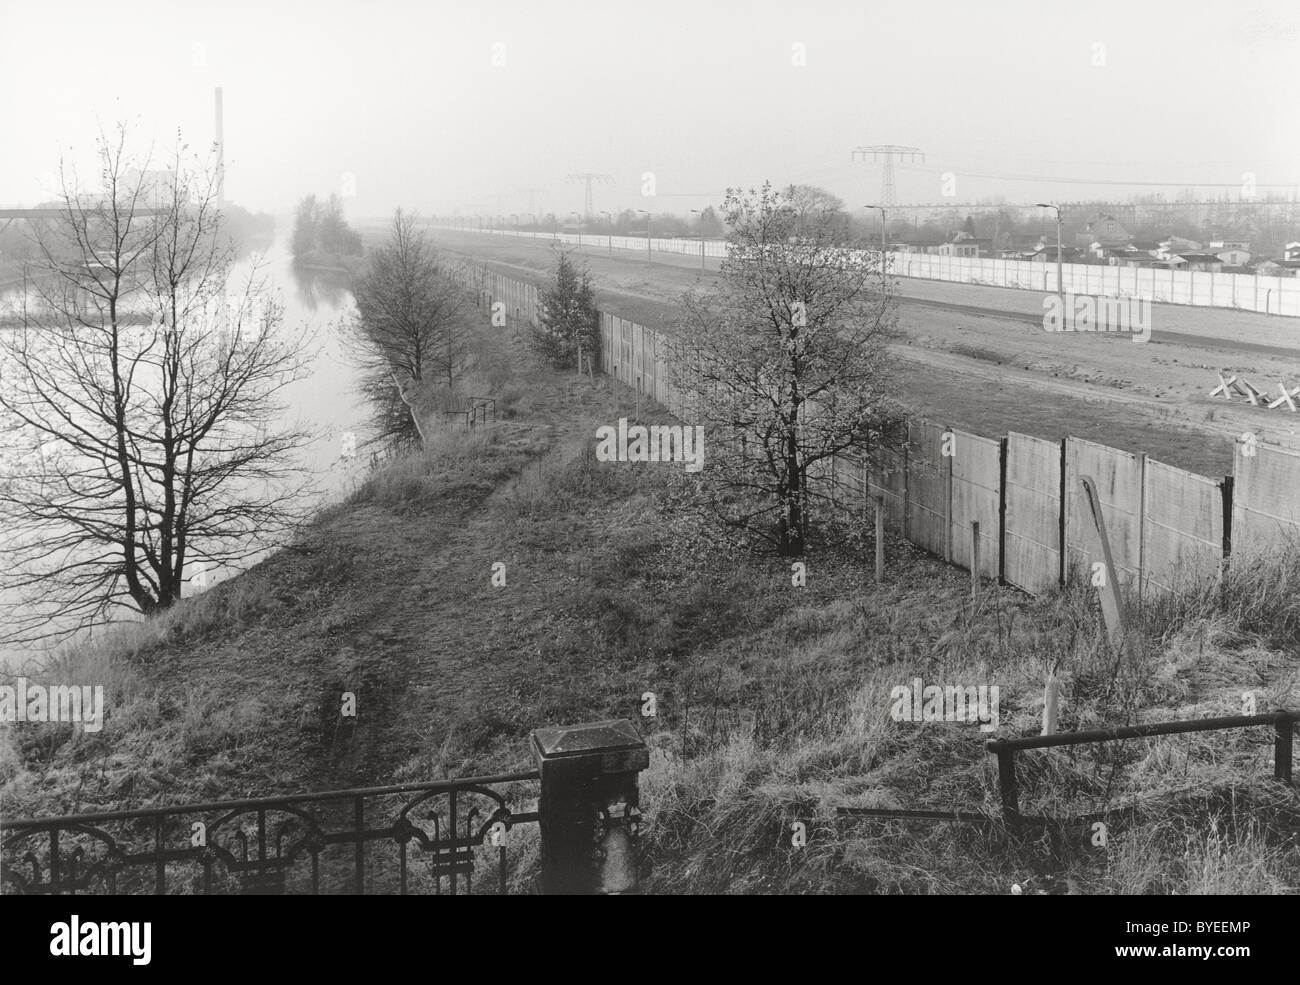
[1232, 256]
[1021, 249]
[1128, 258]
[915, 245]
[1103, 230]
[964, 245]
[1047, 254]
[1170, 248]
[1278, 267]
[1228, 244]
[1291, 251]
[1206, 262]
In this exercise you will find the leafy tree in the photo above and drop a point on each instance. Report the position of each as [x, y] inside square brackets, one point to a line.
[406, 331]
[816, 212]
[784, 360]
[319, 227]
[710, 224]
[304, 237]
[570, 323]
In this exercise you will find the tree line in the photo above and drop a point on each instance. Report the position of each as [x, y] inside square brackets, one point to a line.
[319, 227]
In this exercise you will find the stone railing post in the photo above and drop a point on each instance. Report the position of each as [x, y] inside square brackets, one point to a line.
[587, 806]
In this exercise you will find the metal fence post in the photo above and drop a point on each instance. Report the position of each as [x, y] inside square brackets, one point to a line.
[587, 806]
[1007, 782]
[1282, 749]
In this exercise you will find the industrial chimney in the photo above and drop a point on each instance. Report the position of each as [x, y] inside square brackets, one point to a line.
[221, 154]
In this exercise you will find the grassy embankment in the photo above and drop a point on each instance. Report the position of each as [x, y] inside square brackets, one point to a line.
[773, 701]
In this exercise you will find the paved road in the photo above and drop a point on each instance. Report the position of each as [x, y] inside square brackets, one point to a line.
[1178, 338]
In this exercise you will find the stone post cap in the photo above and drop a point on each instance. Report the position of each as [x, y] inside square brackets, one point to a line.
[612, 746]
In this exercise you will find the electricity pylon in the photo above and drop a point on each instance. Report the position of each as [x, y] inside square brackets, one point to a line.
[532, 194]
[890, 151]
[589, 177]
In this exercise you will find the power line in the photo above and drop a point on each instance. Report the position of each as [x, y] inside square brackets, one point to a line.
[1096, 181]
[589, 177]
[890, 151]
[532, 194]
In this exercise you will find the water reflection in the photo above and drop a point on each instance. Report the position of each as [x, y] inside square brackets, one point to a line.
[321, 287]
[326, 400]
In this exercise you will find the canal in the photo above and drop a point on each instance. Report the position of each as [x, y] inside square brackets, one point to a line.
[325, 400]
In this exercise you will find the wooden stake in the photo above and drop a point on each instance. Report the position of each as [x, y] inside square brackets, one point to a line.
[880, 539]
[974, 560]
[1050, 693]
[1112, 606]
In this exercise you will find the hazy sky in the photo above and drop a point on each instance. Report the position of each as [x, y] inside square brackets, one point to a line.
[405, 96]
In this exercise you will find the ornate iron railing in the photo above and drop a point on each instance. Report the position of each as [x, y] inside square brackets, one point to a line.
[458, 829]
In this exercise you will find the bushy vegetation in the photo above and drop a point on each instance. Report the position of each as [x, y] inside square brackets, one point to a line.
[320, 228]
[773, 701]
[570, 324]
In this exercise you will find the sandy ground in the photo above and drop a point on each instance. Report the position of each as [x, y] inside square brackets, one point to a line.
[983, 371]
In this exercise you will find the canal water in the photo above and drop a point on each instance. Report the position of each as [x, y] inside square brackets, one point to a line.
[325, 400]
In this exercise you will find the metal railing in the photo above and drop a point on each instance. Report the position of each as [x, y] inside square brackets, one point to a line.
[1006, 749]
[251, 846]
[481, 410]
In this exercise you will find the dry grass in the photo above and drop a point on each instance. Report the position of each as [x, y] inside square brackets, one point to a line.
[773, 701]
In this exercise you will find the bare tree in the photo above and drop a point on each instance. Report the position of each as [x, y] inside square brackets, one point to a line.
[817, 213]
[141, 403]
[407, 327]
[784, 360]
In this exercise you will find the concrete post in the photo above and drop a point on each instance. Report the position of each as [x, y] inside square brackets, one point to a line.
[587, 806]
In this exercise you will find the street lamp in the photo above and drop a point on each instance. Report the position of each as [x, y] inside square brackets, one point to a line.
[701, 215]
[883, 247]
[648, 258]
[610, 241]
[1059, 289]
[579, 215]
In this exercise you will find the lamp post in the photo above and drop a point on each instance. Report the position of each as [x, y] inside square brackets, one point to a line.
[610, 241]
[883, 246]
[701, 215]
[579, 215]
[1060, 290]
[648, 257]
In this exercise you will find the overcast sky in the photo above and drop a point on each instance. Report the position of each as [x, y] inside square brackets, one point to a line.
[405, 96]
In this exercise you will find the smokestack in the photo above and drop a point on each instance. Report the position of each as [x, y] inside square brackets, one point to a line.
[221, 154]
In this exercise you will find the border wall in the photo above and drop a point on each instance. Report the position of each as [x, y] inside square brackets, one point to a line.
[1168, 528]
[1242, 292]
